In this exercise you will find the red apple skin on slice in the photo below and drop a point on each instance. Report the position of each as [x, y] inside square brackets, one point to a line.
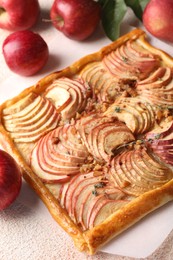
[59, 155]
[86, 194]
[137, 171]
[161, 142]
[69, 96]
[30, 118]
[124, 63]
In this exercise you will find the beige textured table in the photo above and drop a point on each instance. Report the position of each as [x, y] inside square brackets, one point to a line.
[27, 231]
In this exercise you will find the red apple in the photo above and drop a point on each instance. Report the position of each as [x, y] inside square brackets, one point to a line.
[77, 19]
[19, 14]
[25, 52]
[157, 19]
[10, 180]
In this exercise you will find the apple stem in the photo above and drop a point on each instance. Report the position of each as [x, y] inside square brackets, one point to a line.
[2, 10]
[46, 20]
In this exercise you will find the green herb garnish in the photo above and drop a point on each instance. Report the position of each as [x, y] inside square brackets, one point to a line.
[99, 185]
[94, 192]
[117, 109]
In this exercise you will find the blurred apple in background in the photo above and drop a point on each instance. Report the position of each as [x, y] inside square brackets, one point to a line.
[158, 19]
[77, 19]
[10, 180]
[25, 52]
[18, 14]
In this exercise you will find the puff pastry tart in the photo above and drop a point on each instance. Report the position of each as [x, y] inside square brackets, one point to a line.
[95, 140]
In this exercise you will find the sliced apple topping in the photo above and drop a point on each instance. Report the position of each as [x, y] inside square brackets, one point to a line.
[102, 135]
[69, 96]
[138, 115]
[137, 171]
[158, 88]
[160, 140]
[87, 197]
[18, 106]
[130, 61]
[30, 118]
[59, 155]
[106, 87]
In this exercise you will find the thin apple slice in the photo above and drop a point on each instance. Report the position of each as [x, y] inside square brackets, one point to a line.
[26, 114]
[109, 137]
[152, 172]
[98, 200]
[29, 124]
[74, 93]
[56, 152]
[116, 68]
[20, 105]
[73, 191]
[159, 92]
[104, 209]
[45, 177]
[134, 65]
[123, 176]
[91, 73]
[80, 194]
[144, 64]
[72, 84]
[87, 123]
[157, 99]
[100, 80]
[137, 114]
[55, 164]
[123, 114]
[31, 120]
[59, 96]
[137, 49]
[110, 90]
[120, 177]
[138, 171]
[93, 140]
[147, 112]
[160, 140]
[159, 84]
[44, 124]
[56, 155]
[86, 197]
[142, 114]
[70, 138]
[161, 77]
[151, 163]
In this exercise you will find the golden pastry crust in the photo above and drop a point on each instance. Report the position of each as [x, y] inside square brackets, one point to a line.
[92, 238]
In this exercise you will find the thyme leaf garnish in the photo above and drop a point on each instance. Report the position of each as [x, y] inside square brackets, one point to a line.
[117, 109]
[157, 136]
[125, 59]
[99, 185]
[94, 192]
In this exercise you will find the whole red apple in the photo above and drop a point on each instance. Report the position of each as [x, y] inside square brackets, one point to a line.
[18, 15]
[10, 180]
[158, 19]
[25, 52]
[77, 19]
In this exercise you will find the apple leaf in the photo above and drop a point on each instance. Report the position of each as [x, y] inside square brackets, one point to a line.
[143, 3]
[113, 12]
[136, 7]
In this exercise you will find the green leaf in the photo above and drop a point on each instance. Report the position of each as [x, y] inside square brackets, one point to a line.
[143, 3]
[136, 7]
[113, 12]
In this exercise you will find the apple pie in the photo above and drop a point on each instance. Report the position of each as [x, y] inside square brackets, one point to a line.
[95, 140]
